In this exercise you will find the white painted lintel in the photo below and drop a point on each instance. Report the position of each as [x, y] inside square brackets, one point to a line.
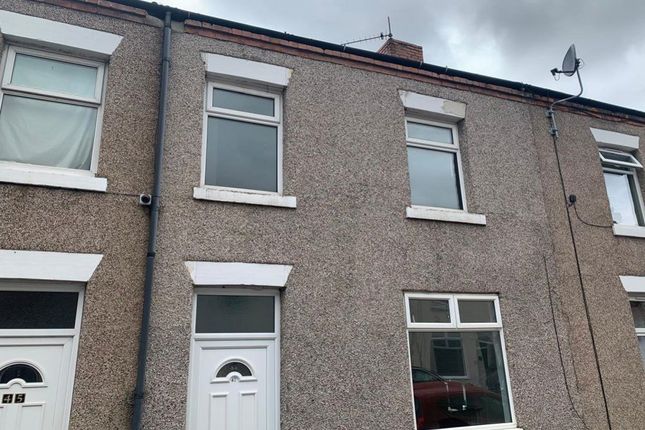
[246, 70]
[206, 273]
[48, 266]
[45, 32]
[633, 284]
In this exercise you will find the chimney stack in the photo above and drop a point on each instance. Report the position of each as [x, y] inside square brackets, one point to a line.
[398, 48]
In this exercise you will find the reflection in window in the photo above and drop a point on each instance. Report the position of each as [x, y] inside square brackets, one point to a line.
[234, 366]
[448, 354]
[461, 398]
[459, 374]
[27, 373]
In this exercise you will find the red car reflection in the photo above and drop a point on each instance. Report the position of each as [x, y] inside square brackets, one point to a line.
[440, 403]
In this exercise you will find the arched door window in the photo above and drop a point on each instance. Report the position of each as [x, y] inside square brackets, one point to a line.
[233, 366]
[23, 371]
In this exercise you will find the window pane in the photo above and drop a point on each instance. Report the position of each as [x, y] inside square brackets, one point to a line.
[37, 309]
[638, 311]
[46, 133]
[429, 311]
[434, 178]
[621, 200]
[234, 366]
[25, 372]
[476, 392]
[641, 345]
[429, 132]
[52, 75]
[619, 158]
[243, 102]
[241, 155]
[477, 311]
[234, 314]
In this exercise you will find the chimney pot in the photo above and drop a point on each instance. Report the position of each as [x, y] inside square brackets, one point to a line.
[401, 49]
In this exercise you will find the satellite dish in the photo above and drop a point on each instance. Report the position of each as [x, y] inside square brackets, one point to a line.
[570, 62]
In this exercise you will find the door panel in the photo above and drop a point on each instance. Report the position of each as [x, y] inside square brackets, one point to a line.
[35, 405]
[233, 385]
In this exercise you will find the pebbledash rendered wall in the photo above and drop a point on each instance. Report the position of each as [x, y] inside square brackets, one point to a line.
[344, 358]
[344, 353]
[112, 223]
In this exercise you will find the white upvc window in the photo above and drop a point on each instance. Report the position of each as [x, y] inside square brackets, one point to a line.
[50, 119]
[637, 305]
[242, 145]
[623, 188]
[242, 148]
[458, 361]
[434, 163]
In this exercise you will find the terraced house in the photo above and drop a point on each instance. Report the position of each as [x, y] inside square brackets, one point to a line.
[207, 225]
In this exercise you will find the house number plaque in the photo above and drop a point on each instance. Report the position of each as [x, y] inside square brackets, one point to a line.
[10, 398]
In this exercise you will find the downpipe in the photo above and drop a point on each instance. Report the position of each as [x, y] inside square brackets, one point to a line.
[139, 393]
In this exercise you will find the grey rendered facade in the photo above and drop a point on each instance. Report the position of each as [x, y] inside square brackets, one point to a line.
[344, 360]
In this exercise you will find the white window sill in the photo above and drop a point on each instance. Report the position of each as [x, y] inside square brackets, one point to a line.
[629, 230]
[217, 195]
[420, 212]
[51, 178]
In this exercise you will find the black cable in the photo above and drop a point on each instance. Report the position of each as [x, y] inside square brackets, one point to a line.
[582, 287]
[123, 194]
[588, 223]
[560, 353]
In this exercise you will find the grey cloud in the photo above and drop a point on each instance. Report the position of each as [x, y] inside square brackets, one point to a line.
[519, 40]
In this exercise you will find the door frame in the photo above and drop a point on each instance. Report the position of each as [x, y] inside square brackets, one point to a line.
[74, 334]
[275, 336]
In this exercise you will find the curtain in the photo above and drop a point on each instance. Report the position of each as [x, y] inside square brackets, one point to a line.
[46, 133]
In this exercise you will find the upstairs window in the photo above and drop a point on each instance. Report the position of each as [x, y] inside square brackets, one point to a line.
[434, 165]
[50, 110]
[243, 139]
[623, 189]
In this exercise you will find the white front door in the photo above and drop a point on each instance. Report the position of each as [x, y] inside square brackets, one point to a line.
[33, 377]
[234, 384]
[234, 365]
[39, 327]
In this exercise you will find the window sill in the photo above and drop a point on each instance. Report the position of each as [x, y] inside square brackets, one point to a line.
[421, 212]
[629, 230]
[217, 195]
[51, 178]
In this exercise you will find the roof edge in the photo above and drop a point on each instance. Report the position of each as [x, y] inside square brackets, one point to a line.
[159, 11]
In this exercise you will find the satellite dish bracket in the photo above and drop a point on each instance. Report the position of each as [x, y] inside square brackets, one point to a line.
[570, 57]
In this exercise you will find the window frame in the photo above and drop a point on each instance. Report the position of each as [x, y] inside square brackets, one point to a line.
[6, 88]
[227, 291]
[635, 164]
[640, 331]
[456, 326]
[215, 112]
[46, 286]
[639, 205]
[437, 146]
[455, 320]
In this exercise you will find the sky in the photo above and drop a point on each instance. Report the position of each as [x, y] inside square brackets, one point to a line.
[518, 40]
